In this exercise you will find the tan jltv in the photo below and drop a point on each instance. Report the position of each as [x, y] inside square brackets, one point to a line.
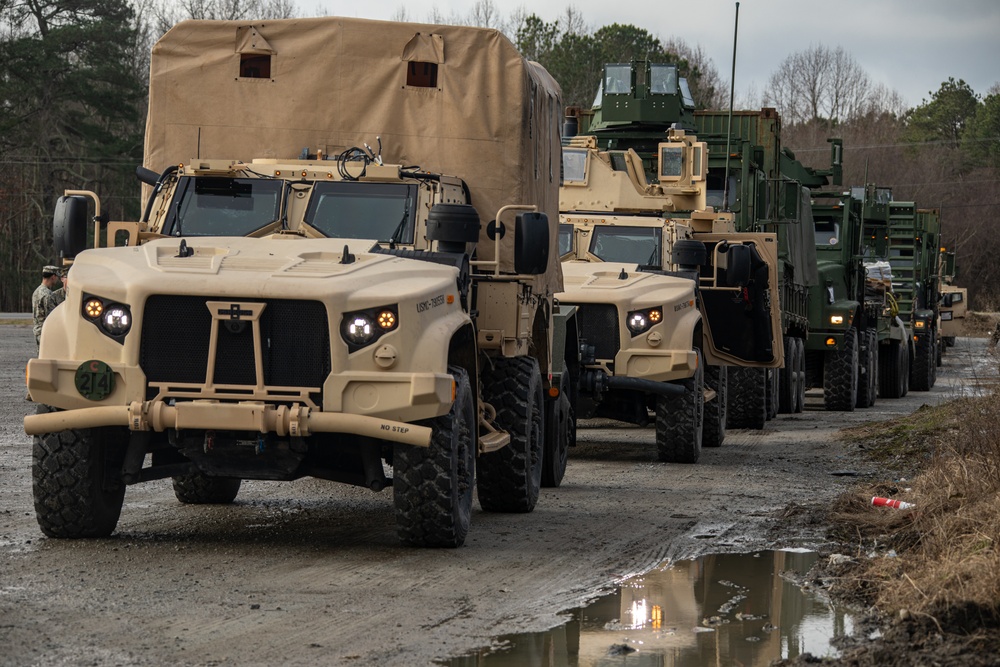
[345, 269]
[669, 294]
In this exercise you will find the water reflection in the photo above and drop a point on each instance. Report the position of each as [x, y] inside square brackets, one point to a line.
[726, 609]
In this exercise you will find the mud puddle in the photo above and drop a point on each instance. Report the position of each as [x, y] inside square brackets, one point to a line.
[723, 609]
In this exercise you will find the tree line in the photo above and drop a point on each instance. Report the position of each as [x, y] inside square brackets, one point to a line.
[73, 82]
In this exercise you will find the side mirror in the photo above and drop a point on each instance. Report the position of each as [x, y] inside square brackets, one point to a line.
[531, 243]
[69, 226]
[738, 261]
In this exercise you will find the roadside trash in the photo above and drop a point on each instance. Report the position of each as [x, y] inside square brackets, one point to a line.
[888, 502]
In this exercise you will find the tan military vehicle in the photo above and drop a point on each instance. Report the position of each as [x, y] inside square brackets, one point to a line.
[668, 294]
[374, 316]
[953, 310]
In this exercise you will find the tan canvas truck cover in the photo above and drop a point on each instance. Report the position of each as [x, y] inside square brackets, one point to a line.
[452, 100]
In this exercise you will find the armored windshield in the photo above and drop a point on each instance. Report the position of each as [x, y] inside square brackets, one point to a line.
[565, 239]
[627, 244]
[618, 79]
[350, 210]
[215, 206]
[827, 233]
[663, 79]
[574, 165]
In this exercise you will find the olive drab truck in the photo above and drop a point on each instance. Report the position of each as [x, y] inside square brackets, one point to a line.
[345, 267]
[914, 243]
[669, 296]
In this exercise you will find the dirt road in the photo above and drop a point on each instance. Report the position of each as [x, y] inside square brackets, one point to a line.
[310, 572]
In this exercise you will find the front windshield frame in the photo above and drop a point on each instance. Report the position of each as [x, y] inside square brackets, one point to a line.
[628, 244]
[391, 219]
[224, 206]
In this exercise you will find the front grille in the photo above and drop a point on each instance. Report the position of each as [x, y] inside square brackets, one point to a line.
[599, 327]
[176, 332]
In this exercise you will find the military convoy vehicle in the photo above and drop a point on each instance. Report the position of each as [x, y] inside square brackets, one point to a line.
[743, 161]
[669, 295]
[296, 303]
[954, 300]
[914, 243]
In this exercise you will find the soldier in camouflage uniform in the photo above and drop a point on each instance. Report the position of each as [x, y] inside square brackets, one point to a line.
[57, 296]
[50, 276]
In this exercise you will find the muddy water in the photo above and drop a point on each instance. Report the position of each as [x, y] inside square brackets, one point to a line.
[729, 609]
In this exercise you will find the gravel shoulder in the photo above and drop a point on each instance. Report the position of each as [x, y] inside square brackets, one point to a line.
[311, 572]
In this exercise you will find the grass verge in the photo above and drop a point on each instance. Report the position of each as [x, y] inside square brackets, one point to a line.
[933, 569]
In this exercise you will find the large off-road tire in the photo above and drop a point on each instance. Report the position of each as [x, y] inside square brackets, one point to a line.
[714, 432]
[432, 487]
[923, 371]
[77, 480]
[680, 420]
[509, 479]
[800, 398]
[840, 375]
[868, 368]
[891, 370]
[747, 398]
[201, 489]
[560, 434]
[773, 387]
[789, 378]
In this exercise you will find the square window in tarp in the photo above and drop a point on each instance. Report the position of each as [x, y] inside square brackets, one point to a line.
[255, 54]
[421, 56]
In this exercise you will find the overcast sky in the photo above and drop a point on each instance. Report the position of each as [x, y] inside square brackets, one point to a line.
[911, 46]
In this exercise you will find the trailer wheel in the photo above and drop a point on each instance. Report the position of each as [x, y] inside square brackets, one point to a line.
[680, 420]
[747, 398]
[714, 433]
[77, 480]
[923, 369]
[868, 368]
[509, 478]
[201, 489]
[840, 375]
[560, 435]
[432, 486]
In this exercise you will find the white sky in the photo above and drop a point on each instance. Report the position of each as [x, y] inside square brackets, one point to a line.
[911, 46]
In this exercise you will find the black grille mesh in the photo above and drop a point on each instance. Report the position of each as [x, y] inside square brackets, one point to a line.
[599, 327]
[295, 338]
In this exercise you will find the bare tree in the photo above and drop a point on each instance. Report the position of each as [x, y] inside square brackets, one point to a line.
[708, 89]
[828, 85]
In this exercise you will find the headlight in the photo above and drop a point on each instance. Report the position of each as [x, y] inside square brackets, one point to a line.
[364, 327]
[836, 319]
[639, 321]
[116, 320]
[919, 324]
[113, 319]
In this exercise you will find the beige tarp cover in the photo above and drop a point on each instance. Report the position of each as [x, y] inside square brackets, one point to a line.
[492, 118]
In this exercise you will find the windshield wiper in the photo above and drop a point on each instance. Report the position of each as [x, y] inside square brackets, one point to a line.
[397, 234]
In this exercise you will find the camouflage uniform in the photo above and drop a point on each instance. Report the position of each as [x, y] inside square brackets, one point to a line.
[53, 300]
[39, 298]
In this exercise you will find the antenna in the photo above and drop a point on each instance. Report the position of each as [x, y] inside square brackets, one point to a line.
[729, 129]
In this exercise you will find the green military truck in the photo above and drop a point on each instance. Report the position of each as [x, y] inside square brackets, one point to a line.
[914, 244]
[294, 302]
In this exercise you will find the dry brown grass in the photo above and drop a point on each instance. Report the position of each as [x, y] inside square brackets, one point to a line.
[941, 560]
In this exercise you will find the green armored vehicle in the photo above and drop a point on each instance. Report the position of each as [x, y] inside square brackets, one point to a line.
[296, 303]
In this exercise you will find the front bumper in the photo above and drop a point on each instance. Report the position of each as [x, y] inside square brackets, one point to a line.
[295, 420]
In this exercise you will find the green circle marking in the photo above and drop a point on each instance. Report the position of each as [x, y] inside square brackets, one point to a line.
[95, 380]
